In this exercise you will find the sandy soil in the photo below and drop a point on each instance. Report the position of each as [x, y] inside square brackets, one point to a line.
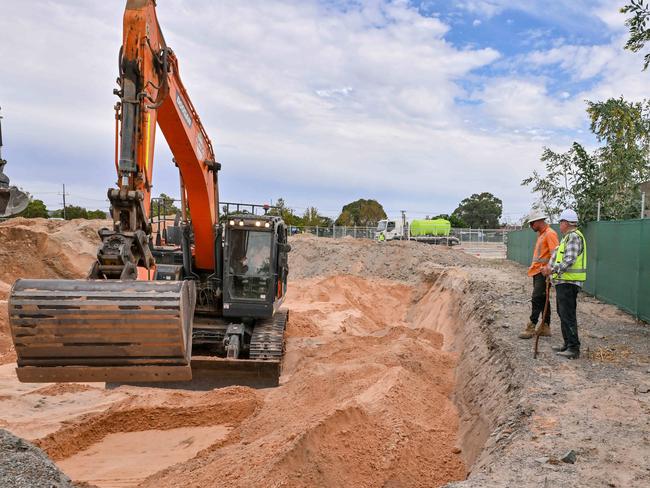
[402, 369]
[40, 248]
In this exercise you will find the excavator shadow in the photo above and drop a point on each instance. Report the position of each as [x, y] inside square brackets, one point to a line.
[209, 373]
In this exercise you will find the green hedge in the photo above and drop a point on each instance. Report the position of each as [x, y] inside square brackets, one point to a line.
[618, 261]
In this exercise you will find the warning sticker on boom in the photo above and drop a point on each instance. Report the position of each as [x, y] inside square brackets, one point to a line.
[200, 146]
[183, 110]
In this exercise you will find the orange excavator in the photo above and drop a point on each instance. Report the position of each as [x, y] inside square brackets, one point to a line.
[213, 285]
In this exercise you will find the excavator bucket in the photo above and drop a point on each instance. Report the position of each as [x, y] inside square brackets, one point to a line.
[12, 201]
[99, 330]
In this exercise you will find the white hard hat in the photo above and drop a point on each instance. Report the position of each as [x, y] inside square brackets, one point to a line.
[569, 215]
[535, 215]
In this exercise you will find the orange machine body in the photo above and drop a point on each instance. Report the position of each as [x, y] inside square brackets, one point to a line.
[163, 100]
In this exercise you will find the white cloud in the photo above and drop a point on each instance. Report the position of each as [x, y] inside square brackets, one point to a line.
[524, 103]
[315, 103]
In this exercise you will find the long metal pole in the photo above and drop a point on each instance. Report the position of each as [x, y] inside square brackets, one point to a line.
[598, 213]
[64, 212]
[183, 204]
[643, 205]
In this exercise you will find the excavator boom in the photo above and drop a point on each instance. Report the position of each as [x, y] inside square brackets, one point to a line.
[137, 316]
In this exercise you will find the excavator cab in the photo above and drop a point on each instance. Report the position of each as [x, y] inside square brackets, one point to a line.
[255, 266]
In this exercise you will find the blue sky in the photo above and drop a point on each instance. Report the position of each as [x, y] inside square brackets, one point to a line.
[415, 104]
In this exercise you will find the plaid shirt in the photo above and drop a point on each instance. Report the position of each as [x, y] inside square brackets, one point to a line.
[572, 250]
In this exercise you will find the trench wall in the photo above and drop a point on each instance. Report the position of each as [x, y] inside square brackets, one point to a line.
[487, 384]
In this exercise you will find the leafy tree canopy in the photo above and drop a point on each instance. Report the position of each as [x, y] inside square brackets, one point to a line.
[311, 218]
[164, 206]
[639, 33]
[287, 214]
[455, 221]
[35, 209]
[610, 175]
[76, 212]
[481, 210]
[364, 213]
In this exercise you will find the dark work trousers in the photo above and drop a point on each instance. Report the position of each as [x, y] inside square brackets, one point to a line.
[538, 299]
[566, 296]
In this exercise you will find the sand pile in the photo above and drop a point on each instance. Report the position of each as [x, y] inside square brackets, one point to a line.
[41, 248]
[394, 260]
[364, 400]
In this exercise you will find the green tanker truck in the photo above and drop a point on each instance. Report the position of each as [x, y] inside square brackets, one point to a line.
[437, 231]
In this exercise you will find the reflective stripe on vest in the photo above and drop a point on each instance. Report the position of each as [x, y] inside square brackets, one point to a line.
[578, 270]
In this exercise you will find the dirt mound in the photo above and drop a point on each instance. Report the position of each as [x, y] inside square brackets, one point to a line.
[59, 389]
[153, 411]
[41, 248]
[364, 400]
[408, 261]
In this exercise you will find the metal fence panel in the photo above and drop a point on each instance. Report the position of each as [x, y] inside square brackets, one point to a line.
[618, 262]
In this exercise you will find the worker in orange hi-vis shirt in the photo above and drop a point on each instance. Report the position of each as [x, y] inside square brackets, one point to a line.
[547, 241]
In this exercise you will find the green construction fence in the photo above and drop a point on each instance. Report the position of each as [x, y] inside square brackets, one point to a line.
[618, 261]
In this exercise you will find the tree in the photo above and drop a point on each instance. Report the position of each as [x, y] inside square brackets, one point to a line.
[96, 214]
[164, 206]
[311, 218]
[454, 220]
[364, 213]
[76, 212]
[481, 210]
[610, 175]
[639, 35]
[35, 209]
[287, 214]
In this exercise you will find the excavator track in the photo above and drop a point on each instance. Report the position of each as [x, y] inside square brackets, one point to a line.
[267, 341]
[101, 330]
[261, 370]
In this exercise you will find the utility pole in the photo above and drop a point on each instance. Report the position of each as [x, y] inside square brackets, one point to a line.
[64, 205]
[404, 234]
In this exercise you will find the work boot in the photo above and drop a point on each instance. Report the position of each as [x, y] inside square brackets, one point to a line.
[543, 330]
[569, 354]
[528, 332]
[561, 348]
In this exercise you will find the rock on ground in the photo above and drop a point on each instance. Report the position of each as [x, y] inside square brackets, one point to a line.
[23, 465]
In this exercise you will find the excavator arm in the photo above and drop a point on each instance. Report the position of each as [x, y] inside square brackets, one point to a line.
[120, 324]
[151, 93]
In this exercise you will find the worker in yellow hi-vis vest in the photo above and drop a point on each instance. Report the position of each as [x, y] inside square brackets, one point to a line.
[568, 267]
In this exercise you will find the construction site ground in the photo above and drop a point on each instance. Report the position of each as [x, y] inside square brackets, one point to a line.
[403, 369]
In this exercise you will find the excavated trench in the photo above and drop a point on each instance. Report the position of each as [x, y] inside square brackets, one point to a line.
[385, 384]
[391, 378]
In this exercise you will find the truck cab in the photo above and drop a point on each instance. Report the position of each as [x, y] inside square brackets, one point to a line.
[387, 230]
